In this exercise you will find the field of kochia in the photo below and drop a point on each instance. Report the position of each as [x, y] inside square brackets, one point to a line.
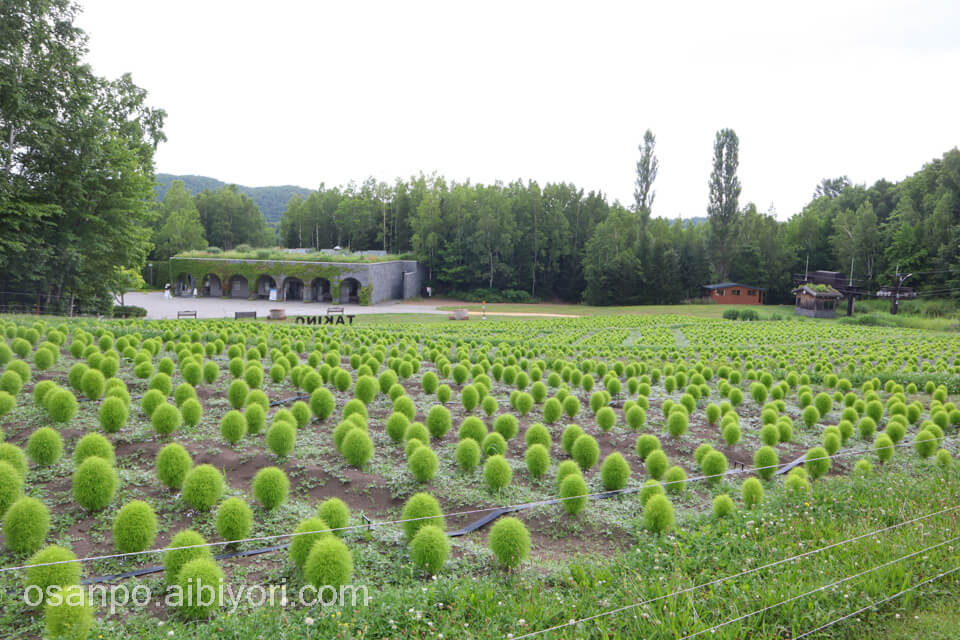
[732, 444]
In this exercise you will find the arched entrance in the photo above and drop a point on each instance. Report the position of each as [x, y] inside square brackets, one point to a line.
[350, 290]
[264, 284]
[239, 287]
[211, 286]
[320, 290]
[184, 285]
[293, 289]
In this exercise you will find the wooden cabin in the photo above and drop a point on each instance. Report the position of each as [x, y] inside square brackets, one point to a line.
[733, 293]
[816, 300]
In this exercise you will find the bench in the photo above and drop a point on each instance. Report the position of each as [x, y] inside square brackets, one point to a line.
[242, 315]
[186, 314]
[459, 314]
[332, 310]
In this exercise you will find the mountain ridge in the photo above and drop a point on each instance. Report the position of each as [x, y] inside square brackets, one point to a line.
[272, 200]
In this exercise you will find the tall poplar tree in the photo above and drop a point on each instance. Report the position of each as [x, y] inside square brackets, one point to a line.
[723, 209]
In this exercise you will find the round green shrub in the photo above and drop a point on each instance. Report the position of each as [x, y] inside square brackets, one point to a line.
[174, 560]
[606, 419]
[50, 575]
[15, 457]
[796, 484]
[537, 434]
[423, 463]
[675, 479]
[203, 487]
[429, 549]
[497, 473]
[69, 616]
[416, 431]
[573, 492]
[489, 405]
[94, 483]
[731, 433]
[468, 454]
[233, 426]
[751, 492]
[61, 405]
[421, 510]
[237, 393]
[646, 444]
[564, 469]
[161, 382]
[357, 448]
[396, 426]
[571, 406]
[723, 506]
[636, 417]
[537, 458]
[714, 466]
[45, 446]
[552, 410]
[172, 464]
[585, 451]
[510, 541]
[494, 444]
[11, 486]
[366, 389]
[113, 414]
[817, 462]
[322, 403]
[25, 525]
[614, 472]
[328, 563]
[883, 446]
[677, 424]
[657, 463]
[438, 421]
[658, 514]
[765, 462]
[307, 533]
[271, 487]
[650, 488]
[200, 581]
[506, 425]
[281, 438]
[335, 513]
[862, 468]
[134, 527]
[570, 435]
[151, 400]
[811, 415]
[11, 382]
[831, 442]
[925, 443]
[944, 458]
[234, 518]
[770, 435]
[165, 419]
[183, 393]
[896, 430]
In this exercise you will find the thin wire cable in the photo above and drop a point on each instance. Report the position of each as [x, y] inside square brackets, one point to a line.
[746, 572]
[514, 507]
[877, 603]
[822, 588]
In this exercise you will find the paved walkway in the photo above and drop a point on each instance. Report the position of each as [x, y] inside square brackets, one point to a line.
[160, 308]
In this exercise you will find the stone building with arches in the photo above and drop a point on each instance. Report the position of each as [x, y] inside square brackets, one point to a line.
[296, 280]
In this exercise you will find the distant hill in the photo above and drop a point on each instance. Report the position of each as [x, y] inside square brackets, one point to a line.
[271, 200]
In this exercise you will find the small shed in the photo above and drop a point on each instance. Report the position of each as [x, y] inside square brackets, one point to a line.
[733, 293]
[816, 300]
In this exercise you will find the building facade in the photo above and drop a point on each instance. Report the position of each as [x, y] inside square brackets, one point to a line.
[733, 293]
[816, 301]
[297, 280]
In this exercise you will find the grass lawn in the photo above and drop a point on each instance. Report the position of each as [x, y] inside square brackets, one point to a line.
[695, 310]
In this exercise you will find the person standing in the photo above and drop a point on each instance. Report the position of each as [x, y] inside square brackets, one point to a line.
[166, 291]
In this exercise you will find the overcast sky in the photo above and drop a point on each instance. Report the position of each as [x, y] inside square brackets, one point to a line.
[286, 92]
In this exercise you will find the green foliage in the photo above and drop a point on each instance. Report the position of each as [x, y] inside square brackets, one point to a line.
[174, 560]
[165, 419]
[925, 443]
[506, 425]
[751, 492]
[172, 464]
[328, 563]
[657, 463]
[675, 479]
[429, 549]
[537, 458]
[357, 448]
[113, 414]
[61, 575]
[646, 443]
[94, 483]
[237, 393]
[423, 463]
[817, 462]
[25, 525]
[496, 472]
[883, 447]
[45, 446]
[614, 472]
[438, 421]
[61, 405]
[765, 461]
[537, 434]
[203, 487]
[658, 514]
[134, 527]
[195, 579]
[509, 540]
[281, 438]
[70, 615]
[585, 451]
[552, 410]
[309, 532]
[335, 513]
[723, 506]
[467, 454]
[11, 485]
[573, 491]
[714, 465]
[271, 487]
[421, 510]
[569, 436]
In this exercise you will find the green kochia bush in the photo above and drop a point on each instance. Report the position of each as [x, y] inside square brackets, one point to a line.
[69, 616]
[234, 519]
[497, 473]
[50, 575]
[328, 563]
[430, 549]
[174, 560]
[113, 414]
[165, 419]
[506, 425]
[537, 458]
[93, 444]
[11, 486]
[658, 514]
[94, 483]
[765, 460]
[510, 541]
[817, 462]
[335, 513]
[134, 527]
[585, 451]
[61, 405]
[423, 463]
[322, 403]
[657, 463]
[45, 446]
[281, 438]
[271, 487]
[421, 510]
[751, 492]
[25, 525]
[311, 530]
[233, 426]
[438, 421]
[357, 448]
[173, 462]
[573, 492]
[614, 472]
[196, 577]
[468, 455]
[714, 464]
[203, 487]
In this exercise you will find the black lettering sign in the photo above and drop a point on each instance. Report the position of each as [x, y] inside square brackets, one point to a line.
[312, 320]
[300, 320]
[340, 320]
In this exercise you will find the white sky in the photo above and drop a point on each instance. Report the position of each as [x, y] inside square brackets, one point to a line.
[303, 92]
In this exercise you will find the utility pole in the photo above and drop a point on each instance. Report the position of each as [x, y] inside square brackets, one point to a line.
[806, 269]
[895, 303]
